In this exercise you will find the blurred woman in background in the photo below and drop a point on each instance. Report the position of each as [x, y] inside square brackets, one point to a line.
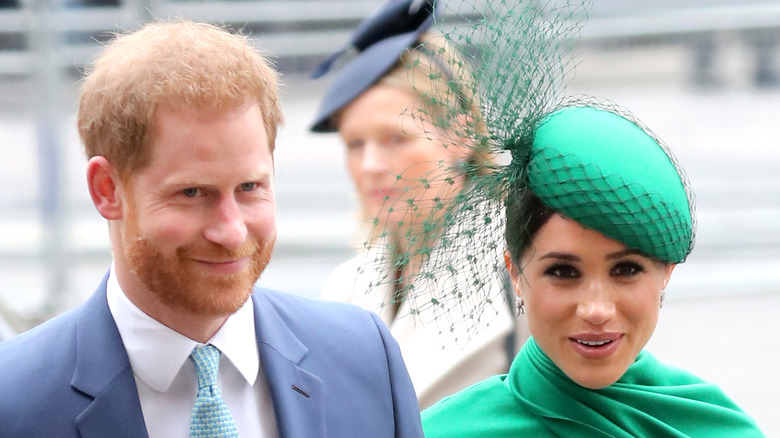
[412, 129]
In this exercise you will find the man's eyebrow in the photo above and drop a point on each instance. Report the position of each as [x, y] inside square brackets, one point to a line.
[185, 181]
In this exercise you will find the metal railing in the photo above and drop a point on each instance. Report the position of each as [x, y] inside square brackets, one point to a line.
[286, 29]
[314, 28]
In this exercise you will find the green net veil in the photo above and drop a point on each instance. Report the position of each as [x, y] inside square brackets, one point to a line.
[580, 156]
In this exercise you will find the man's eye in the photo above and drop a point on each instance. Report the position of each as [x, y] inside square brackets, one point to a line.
[248, 186]
[191, 192]
[562, 271]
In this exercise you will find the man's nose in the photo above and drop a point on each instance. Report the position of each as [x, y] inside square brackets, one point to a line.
[227, 227]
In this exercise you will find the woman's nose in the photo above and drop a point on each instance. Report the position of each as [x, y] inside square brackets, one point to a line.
[598, 307]
[374, 159]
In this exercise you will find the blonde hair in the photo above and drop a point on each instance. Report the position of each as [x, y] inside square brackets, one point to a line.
[438, 74]
[179, 65]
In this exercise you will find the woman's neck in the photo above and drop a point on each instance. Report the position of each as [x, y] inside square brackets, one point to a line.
[410, 252]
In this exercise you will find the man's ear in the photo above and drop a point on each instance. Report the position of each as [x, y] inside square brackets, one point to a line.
[104, 187]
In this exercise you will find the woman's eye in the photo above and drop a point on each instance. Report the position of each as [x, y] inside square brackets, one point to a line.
[248, 186]
[191, 192]
[354, 145]
[396, 139]
[627, 269]
[562, 271]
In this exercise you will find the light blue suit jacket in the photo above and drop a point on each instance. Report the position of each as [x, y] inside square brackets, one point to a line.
[334, 371]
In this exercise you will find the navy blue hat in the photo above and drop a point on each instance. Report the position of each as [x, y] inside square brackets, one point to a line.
[379, 40]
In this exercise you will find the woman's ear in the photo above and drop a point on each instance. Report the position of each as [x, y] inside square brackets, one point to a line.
[466, 140]
[668, 273]
[104, 187]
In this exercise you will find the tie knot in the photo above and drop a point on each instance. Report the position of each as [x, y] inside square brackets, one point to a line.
[206, 361]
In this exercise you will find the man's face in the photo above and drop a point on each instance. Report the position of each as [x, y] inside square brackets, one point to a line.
[199, 226]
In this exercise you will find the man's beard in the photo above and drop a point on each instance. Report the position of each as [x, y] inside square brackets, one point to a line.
[178, 281]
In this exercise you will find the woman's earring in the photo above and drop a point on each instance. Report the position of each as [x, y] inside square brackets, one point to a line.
[519, 309]
[663, 294]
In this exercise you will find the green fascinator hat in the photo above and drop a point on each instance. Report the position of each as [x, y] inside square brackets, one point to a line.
[609, 174]
[580, 156]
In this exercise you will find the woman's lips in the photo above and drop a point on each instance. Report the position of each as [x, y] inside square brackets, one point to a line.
[596, 345]
[382, 194]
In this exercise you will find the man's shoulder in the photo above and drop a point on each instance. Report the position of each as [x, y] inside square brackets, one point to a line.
[315, 311]
[43, 338]
[325, 325]
[38, 366]
[55, 335]
[352, 354]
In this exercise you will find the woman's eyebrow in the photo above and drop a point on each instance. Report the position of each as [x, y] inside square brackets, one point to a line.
[560, 256]
[623, 253]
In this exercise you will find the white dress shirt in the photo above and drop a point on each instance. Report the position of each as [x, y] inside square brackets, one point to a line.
[166, 379]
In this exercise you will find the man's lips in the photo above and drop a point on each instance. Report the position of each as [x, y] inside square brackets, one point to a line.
[224, 266]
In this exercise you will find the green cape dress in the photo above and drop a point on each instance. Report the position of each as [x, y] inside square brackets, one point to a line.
[537, 399]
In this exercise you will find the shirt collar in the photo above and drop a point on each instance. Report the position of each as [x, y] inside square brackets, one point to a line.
[157, 353]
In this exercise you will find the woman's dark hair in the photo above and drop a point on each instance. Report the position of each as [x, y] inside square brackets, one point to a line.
[525, 215]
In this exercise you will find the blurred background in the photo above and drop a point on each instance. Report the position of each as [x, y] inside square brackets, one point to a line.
[703, 74]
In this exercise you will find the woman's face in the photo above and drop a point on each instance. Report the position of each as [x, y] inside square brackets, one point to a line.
[384, 141]
[592, 304]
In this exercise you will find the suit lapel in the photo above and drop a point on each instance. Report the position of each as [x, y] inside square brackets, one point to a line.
[297, 394]
[103, 372]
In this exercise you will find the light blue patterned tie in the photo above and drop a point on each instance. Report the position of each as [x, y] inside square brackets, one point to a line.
[210, 415]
